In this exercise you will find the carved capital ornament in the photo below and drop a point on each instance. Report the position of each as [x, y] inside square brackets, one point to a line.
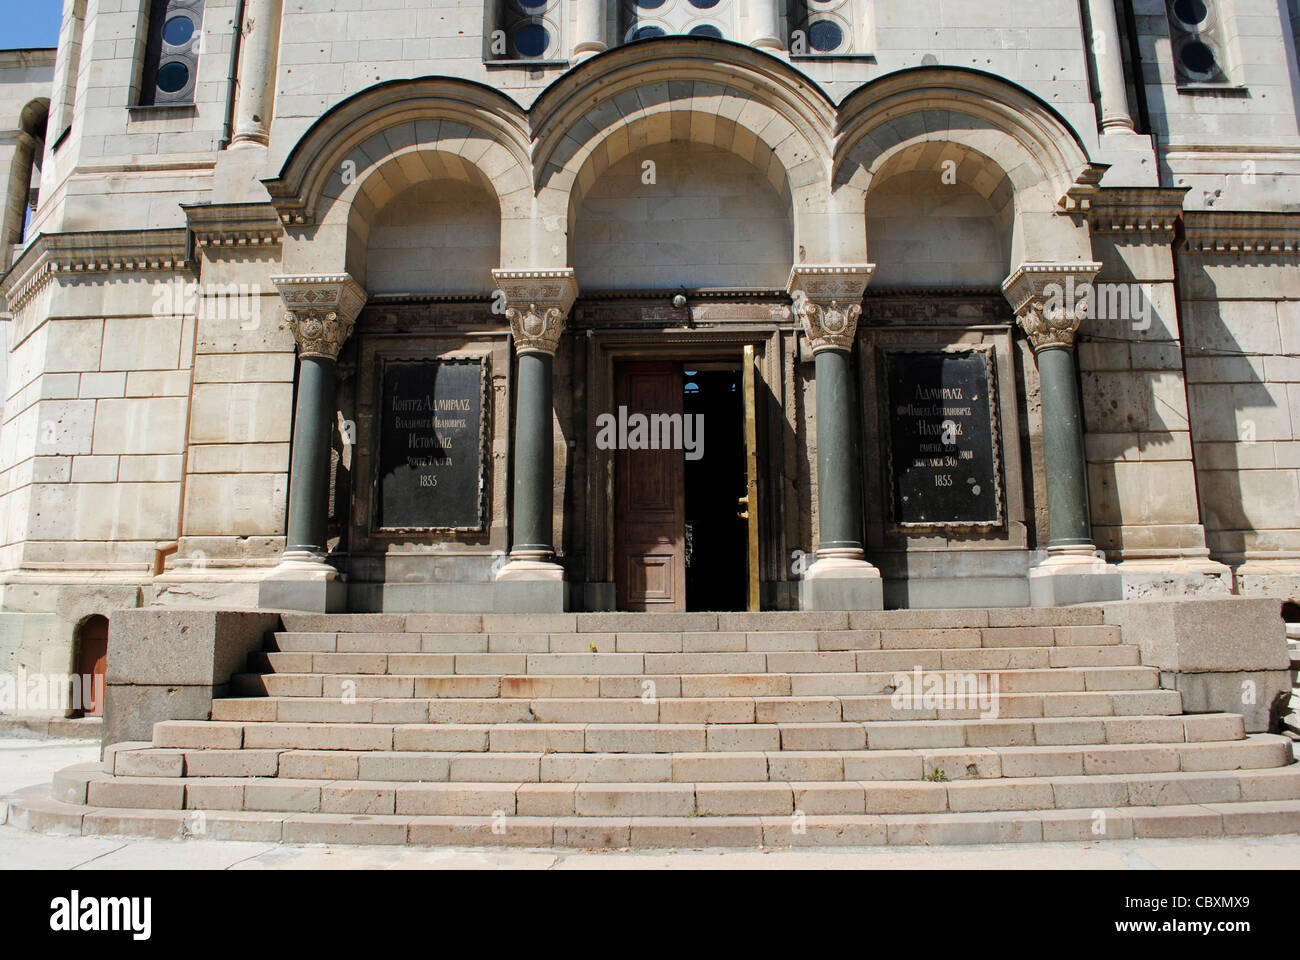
[320, 311]
[538, 303]
[1051, 300]
[828, 302]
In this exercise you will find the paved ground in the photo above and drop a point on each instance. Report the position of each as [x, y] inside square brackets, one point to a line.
[27, 761]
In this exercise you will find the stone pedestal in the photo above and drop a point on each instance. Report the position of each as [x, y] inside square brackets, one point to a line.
[828, 302]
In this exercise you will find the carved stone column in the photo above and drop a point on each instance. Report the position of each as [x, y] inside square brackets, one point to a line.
[1050, 300]
[765, 24]
[320, 311]
[1109, 63]
[538, 303]
[590, 33]
[258, 56]
[828, 302]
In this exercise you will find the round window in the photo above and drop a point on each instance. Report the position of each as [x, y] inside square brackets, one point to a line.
[704, 4]
[825, 36]
[173, 77]
[645, 33]
[706, 30]
[533, 4]
[650, 4]
[532, 40]
[1197, 58]
[1191, 12]
[177, 31]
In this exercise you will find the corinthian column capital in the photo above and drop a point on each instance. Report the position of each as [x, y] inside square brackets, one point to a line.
[537, 305]
[1050, 300]
[320, 311]
[828, 302]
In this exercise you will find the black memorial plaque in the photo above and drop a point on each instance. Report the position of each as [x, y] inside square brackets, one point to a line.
[431, 445]
[943, 446]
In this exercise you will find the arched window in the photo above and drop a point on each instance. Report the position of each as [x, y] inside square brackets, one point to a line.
[171, 58]
[644, 19]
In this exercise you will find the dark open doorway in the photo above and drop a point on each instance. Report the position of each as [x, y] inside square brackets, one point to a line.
[716, 532]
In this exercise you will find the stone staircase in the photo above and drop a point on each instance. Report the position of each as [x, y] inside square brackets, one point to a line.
[667, 730]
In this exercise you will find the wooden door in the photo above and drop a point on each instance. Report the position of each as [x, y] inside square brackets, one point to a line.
[650, 501]
[92, 664]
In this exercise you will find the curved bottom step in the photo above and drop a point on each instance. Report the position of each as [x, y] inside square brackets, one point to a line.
[35, 809]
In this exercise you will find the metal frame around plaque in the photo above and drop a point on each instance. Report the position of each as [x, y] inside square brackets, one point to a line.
[985, 351]
[377, 458]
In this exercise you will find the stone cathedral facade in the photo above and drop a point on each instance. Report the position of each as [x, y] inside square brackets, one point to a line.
[541, 305]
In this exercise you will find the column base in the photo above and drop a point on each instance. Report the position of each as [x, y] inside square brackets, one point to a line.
[1073, 575]
[841, 583]
[529, 584]
[303, 582]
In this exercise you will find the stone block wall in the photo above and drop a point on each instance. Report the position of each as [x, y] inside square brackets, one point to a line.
[1241, 348]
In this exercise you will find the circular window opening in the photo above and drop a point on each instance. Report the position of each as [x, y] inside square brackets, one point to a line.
[706, 30]
[1197, 58]
[825, 36]
[177, 31]
[704, 4]
[532, 4]
[1191, 12]
[650, 4]
[173, 77]
[532, 40]
[645, 33]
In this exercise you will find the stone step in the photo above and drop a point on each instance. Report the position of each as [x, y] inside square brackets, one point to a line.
[691, 622]
[34, 809]
[409, 763]
[671, 710]
[431, 664]
[654, 798]
[973, 686]
[691, 640]
[722, 737]
[179, 745]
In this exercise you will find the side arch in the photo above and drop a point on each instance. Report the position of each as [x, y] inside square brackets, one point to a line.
[976, 115]
[389, 138]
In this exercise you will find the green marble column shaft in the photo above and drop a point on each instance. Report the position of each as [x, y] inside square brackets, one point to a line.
[309, 471]
[839, 480]
[1067, 488]
[534, 457]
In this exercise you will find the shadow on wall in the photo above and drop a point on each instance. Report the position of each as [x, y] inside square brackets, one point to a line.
[1241, 406]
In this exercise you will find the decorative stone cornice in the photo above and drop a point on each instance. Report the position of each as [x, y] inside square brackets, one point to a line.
[537, 305]
[1146, 212]
[828, 302]
[220, 225]
[53, 255]
[1079, 196]
[320, 311]
[1241, 232]
[1050, 300]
